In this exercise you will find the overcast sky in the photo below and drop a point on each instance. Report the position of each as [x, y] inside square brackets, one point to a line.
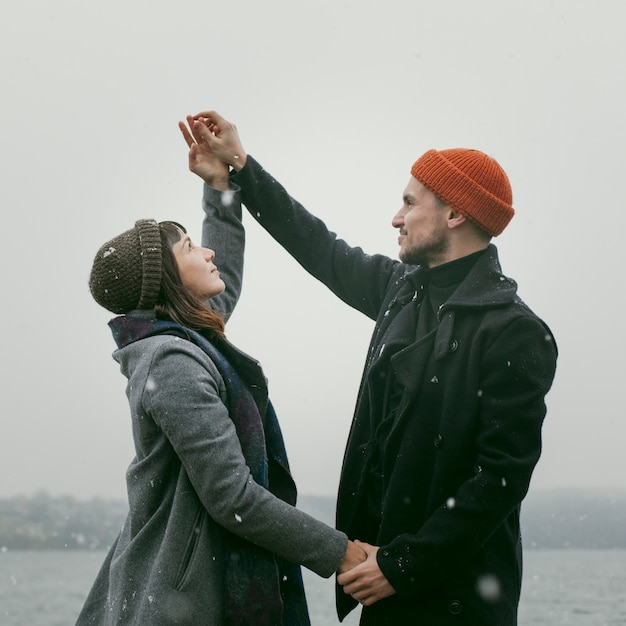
[336, 98]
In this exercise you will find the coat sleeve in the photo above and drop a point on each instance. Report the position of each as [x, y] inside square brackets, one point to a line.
[359, 279]
[184, 397]
[223, 232]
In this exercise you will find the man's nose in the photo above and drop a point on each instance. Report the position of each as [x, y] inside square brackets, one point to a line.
[398, 219]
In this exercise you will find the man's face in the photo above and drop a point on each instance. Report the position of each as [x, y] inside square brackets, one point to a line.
[422, 224]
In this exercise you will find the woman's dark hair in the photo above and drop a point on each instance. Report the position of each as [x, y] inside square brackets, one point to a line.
[175, 302]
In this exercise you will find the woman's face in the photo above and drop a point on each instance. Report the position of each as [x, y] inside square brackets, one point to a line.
[197, 271]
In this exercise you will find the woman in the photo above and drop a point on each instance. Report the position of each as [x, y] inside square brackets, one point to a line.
[212, 534]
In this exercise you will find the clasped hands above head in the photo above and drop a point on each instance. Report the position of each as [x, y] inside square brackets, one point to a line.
[217, 134]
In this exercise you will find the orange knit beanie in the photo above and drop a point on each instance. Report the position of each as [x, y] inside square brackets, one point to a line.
[470, 182]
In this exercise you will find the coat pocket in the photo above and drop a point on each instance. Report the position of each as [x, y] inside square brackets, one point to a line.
[190, 550]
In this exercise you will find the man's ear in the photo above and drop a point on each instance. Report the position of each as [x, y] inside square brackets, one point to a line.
[455, 219]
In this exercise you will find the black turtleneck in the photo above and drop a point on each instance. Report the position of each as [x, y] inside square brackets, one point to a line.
[439, 283]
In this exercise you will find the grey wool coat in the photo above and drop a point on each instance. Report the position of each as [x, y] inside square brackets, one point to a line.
[466, 434]
[189, 481]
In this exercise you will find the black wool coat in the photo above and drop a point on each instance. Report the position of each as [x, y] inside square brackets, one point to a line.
[467, 435]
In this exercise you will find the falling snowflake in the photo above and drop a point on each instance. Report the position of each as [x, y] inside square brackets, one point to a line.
[488, 588]
[227, 197]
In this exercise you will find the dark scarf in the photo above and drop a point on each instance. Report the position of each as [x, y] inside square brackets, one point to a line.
[261, 588]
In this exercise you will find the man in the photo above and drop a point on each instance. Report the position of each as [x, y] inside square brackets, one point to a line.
[447, 425]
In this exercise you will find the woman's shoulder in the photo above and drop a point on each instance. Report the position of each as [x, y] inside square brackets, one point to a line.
[166, 352]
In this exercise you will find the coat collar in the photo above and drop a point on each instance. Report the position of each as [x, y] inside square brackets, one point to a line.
[484, 287]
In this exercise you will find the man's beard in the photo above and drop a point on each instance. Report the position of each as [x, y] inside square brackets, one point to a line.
[426, 252]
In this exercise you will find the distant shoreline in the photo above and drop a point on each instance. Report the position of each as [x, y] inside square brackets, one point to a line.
[590, 519]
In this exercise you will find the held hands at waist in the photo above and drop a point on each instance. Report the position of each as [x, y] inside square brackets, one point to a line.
[364, 582]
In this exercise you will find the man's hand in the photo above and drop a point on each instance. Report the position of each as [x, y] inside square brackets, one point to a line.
[202, 160]
[222, 137]
[365, 582]
[354, 556]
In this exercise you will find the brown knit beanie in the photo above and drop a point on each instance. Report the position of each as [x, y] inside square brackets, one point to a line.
[470, 182]
[126, 273]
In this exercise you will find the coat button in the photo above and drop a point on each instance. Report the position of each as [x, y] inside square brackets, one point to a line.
[455, 607]
[453, 346]
[438, 441]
